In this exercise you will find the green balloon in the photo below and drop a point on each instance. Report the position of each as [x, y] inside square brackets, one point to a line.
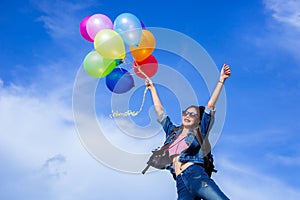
[97, 66]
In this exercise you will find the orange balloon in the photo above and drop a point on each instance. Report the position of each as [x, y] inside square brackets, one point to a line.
[144, 48]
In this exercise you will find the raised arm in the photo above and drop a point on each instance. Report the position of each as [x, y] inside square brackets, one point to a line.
[225, 73]
[156, 101]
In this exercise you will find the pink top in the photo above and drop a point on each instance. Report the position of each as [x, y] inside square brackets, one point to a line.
[178, 145]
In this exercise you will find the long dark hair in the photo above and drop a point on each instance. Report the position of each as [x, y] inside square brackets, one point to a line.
[205, 144]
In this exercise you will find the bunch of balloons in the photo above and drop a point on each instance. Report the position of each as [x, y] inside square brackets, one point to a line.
[109, 40]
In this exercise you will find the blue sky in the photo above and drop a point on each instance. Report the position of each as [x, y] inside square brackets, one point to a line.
[257, 155]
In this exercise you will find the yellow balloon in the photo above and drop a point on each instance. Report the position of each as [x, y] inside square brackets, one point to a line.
[144, 48]
[109, 44]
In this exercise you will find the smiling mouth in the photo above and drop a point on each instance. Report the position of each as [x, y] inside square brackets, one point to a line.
[187, 120]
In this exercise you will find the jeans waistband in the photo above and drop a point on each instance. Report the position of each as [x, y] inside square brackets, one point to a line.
[191, 167]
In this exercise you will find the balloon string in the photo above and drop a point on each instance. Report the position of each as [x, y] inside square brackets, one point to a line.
[130, 112]
[144, 74]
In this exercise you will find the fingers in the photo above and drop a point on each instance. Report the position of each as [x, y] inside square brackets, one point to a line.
[226, 69]
[148, 82]
[225, 66]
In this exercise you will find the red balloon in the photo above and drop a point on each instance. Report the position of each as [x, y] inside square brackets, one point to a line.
[149, 66]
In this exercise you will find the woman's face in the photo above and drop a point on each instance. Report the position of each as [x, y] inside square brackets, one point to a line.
[190, 118]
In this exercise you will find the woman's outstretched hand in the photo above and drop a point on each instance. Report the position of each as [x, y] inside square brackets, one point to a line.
[225, 72]
[149, 84]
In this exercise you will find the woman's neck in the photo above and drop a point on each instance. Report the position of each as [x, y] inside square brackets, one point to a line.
[187, 128]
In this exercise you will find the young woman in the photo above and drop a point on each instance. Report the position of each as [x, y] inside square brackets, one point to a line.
[187, 155]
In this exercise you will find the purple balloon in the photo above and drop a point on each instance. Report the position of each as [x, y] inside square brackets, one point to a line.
[143, 25]
[83, 31]
[97, 23]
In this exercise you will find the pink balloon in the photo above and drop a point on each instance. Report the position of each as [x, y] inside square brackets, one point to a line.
[97, 23]
[83, 31]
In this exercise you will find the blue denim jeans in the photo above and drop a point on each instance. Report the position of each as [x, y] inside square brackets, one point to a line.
[194, 184]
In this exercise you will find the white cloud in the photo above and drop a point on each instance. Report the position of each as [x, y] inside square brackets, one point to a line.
[45, 155]
[54, 166]
[25, 120]
[1, 83]
[285, 11]
[61, 18]
[284, 28]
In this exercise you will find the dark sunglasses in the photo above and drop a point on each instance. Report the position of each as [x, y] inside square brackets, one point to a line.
[191, 114]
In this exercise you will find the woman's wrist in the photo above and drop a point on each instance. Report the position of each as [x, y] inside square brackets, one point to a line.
[152, 89]
[221, 81]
